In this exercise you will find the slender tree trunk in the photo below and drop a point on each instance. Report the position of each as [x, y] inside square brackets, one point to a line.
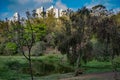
[78, 64]
[30, 65]
[78, 61]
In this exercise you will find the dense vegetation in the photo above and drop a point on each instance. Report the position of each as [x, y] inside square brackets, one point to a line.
[88, 38]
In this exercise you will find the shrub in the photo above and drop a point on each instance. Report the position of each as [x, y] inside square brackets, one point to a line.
[60, 68]
[50, 64]
[116, 61]
[99, 51]
[10, 48]
[38, 49]
[15, 65]
[41, 68]
[2, 46]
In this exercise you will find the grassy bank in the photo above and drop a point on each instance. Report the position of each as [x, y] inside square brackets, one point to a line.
[45, 67]
[16, 67]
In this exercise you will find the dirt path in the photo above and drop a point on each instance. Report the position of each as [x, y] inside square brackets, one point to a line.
[97, 76]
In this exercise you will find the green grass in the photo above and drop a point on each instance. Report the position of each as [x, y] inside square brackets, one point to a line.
[95, 66]
[16, 67]
[10, 74]
[48, 67]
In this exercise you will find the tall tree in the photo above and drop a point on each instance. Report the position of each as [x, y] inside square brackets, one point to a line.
[78, 38]
[25, 35]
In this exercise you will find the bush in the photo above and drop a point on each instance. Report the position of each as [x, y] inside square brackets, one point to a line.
[60, 68]
[99, 51]
[50, 64]
[116, 61]
[38, 49]
[98, 64]
[16, 65]
[10, 48]
[13, 65]
[2, 46]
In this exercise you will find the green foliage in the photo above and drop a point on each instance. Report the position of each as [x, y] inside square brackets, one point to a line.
[42, 68]
[2, 46]
[10, 68]
[13, 65]
[97, 66]
[98, 6]
[50, 39]
[38, 49]
[76, 37]
[116, 61]
[16, 67]
[39, 30]
[43, 65]
[117, 18]
[55, 60]
[10, 48]
[99, 51]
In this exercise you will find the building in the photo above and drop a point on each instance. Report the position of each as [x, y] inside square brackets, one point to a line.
[39, 12]
[52, 11]
[61, 12]
[56, 12]
[16, 17]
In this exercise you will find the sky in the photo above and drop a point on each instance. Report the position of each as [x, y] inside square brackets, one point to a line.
[9, 7]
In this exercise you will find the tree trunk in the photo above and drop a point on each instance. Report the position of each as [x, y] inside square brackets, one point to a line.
[78, 61]
[30, 65]
[77, 70]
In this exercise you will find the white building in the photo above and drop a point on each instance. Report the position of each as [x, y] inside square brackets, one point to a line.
[56, 12]
[50, 10]
[61, 12]
[16, 17]
[39, 12]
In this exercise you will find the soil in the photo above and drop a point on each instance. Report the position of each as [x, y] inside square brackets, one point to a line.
[97, 76]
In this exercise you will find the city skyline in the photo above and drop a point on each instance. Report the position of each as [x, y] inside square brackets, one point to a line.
[9, 7]
[37, 13]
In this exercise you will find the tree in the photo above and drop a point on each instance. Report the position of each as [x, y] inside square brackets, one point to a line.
[83, 31]
[26, 35]
[77, 38]
[100, 10]
[34, 14]
[108, 33]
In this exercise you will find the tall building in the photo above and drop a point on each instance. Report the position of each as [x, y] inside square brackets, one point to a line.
[56, 12]
[50, 10]
[16, 17]
[39, 12]
[61, 12]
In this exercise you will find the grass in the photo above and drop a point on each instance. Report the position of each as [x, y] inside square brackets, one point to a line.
[48, 67]
[10, 74]
[16, 67]
[96, 66]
